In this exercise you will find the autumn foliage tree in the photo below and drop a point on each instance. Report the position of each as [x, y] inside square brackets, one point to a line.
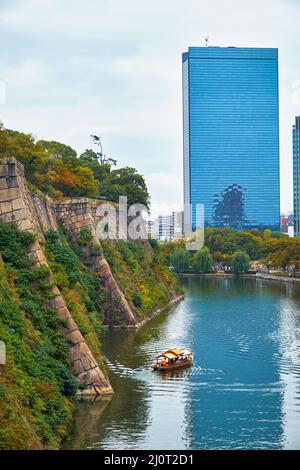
[55, 169]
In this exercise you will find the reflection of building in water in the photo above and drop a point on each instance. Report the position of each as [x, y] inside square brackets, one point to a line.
[236, 404]
[229, 208]
[289, 334]
[296, 175]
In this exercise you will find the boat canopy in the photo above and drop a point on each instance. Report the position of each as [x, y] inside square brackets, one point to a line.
[174, 353]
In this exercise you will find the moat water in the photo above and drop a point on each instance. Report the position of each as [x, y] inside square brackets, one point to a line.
[243, 391]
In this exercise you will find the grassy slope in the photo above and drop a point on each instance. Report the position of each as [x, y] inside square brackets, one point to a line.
[142, 274]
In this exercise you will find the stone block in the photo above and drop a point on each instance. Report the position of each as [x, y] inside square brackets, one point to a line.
[42, 263]
[19, 215]
[6, 207]
[3, 170]
[55, 290]
[88, 363]
[37, 255]
[14, 216]
[18, 204]
[40, 255]
[74, 337]
[70, 325]
[12, 168]
[77, 367]
[90, 377]
[10, 194]
[79, 350]
[25, 225]
[3, 183]
[63, 313]
[12, 182]
[7, 218]
[57, 302]
[33, 247]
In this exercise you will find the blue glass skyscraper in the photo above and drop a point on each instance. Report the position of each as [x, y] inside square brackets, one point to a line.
[296, 174]
[231, 136]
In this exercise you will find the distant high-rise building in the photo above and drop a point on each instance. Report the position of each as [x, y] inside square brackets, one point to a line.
[296, 175]
[178, 223]
[287, 224]
[151, 229]
[231, 136]
[164, 227]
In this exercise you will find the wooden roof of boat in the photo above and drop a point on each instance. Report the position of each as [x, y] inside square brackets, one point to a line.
[174, 353]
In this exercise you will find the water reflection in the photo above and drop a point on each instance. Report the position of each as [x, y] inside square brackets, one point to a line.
[242, 391]
[289, 366]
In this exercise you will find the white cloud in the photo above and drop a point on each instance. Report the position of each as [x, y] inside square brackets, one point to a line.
[166, 192]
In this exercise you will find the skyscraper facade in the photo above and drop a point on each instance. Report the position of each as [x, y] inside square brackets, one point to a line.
[296, 175]
[231, 136]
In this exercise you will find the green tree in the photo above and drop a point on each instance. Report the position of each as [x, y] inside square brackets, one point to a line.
[89, 155]
[203, 261]
[284, 252]
[126, 182]
[240, 262]
[267, 233]
[180, 260]
[57, 149]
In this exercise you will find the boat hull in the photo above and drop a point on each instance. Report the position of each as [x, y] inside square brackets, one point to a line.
[173, 366]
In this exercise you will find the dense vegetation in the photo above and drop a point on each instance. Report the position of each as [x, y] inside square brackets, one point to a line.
[36, 383]
[142, 273]
[57, 170]
[222, 244]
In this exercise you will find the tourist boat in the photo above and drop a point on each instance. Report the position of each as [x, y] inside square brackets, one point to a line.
[173, 359]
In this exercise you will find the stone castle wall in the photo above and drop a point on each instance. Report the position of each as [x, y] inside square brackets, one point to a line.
[78, 214]
[36, 214]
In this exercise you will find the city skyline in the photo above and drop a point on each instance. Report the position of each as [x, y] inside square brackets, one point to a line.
[96, 71]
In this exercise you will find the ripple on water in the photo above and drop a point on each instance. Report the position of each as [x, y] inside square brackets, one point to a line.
[243, 390]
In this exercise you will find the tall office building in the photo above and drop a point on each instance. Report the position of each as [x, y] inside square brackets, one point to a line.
[178, 224]
[231, 136]
[164, 227]
[296, 173]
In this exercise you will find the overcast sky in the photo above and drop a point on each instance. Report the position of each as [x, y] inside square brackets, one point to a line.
[113, 67]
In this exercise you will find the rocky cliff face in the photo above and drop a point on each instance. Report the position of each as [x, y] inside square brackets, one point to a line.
[36, 214]
[136, 284]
